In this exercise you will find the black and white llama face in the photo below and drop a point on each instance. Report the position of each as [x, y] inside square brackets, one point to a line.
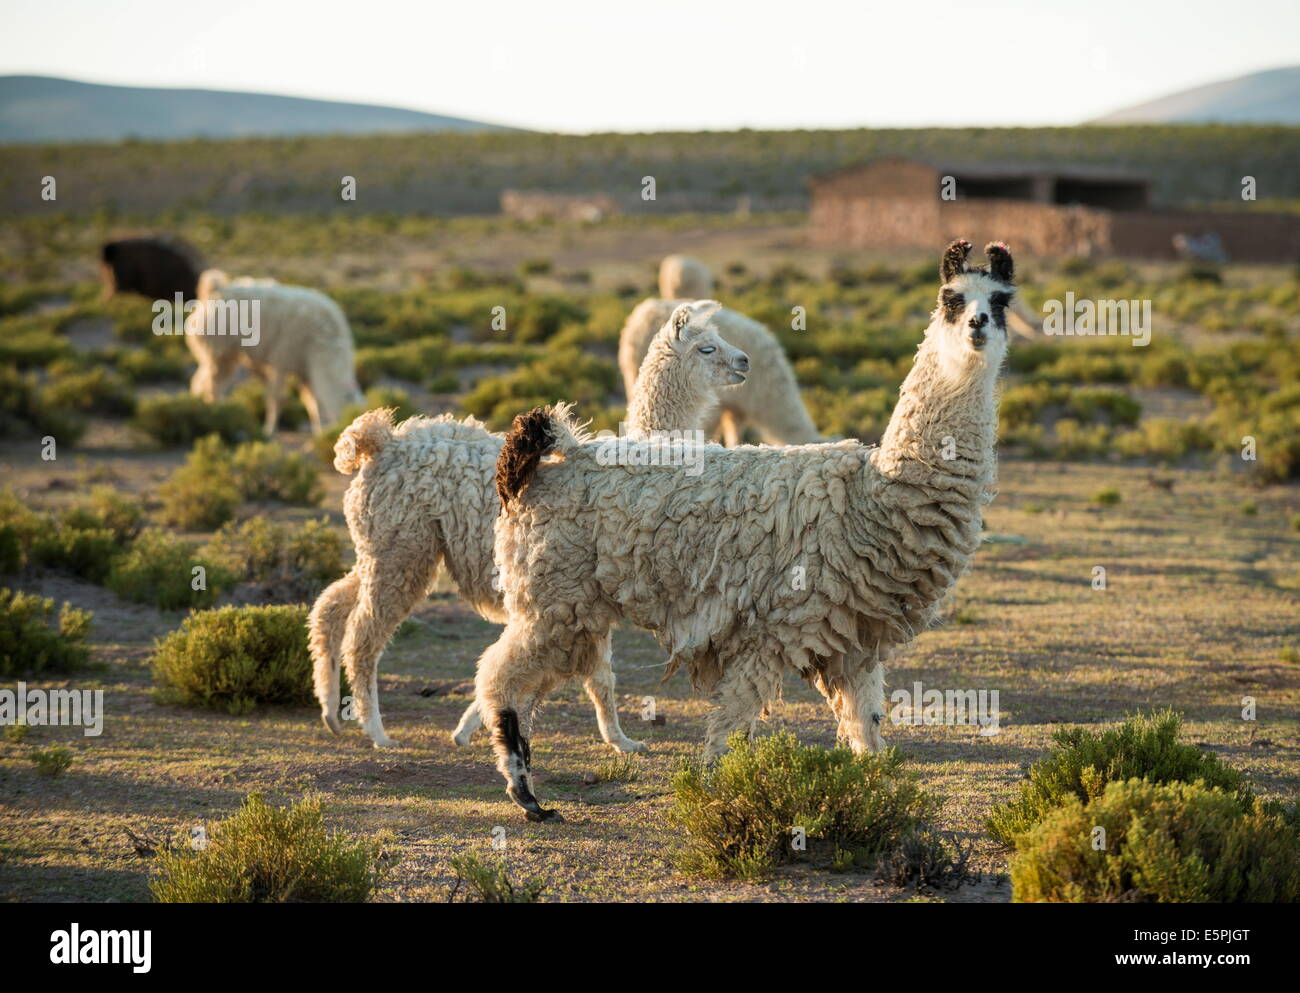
[972, 314]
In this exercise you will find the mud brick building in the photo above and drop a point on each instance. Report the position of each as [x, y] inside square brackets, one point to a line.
[1042, 210]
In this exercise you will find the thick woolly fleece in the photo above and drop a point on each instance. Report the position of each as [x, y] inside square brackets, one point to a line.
[301, 332]
[682, 277]
[769, 400]
[424, 498]
[823, 559]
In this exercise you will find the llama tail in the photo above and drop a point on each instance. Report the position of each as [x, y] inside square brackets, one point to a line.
[363, 439]
[211, 282]
[533, 435]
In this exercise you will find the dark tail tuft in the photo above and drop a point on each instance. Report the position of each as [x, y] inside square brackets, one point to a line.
[531, 436]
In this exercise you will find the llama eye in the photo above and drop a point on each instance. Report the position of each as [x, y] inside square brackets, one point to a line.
[953, 304]
[707, 350]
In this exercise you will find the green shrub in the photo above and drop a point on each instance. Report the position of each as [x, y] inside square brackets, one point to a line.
[24, 410]
[181, 419]
[1171, 842]
[296, 563]
[926, 857]
[84, 552]
[266, 854]
[738, 816]
[492, 883]
[28, 644]
[564, 374]
[51, 761]
[206, 490]
[93, 391]
[1106, 497]
[265, 471]
[203, 493]
[1081, 764]
[108, 509]
[236, 658]
[159, 569]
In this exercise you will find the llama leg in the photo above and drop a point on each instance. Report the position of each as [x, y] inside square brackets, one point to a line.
[729, 425]
[600, 688]
[274, 387]
[326, 626]
[202, 383]
[513, 675]
[857, 699]
[738, 700]
[308, 399]
[470, 721]
[383, 602]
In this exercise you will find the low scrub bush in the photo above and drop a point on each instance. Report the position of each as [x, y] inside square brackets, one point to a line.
[93, 391]
[491, 882]
[30, 644]
[1081, 764]
[84, 552]
[739, 817]
[295, 563]
[25, 411]
[181, 419]
[51, 761]
[236, 658]
[160, 569]
[266, 854]
[205, 491]
[1172, 842]
[266, 472]
[928, 858]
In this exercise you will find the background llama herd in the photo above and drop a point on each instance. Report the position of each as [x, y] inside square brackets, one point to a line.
[822, 558]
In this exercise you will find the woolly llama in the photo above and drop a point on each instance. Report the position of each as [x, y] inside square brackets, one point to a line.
[825, 559]
[157, 267]
[424, 498]
[277, 331]
[769, 400]
[684, 278]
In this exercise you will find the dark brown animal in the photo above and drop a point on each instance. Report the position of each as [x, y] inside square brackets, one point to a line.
[157, 268]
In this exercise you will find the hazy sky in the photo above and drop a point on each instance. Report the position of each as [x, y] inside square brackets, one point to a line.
[660, 64]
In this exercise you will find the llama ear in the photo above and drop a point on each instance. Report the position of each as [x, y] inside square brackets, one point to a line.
[687, 313]
[954, 260]
[1001, 267]
[680, 319]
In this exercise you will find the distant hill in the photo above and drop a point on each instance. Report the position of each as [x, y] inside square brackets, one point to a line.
[1270, 97]
[46, 109]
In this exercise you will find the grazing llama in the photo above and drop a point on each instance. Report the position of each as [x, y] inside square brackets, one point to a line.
[277, 331]
[424, 498]
[821, 559]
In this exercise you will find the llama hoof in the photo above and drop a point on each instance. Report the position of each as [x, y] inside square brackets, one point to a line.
[386, 742]
[543, 816]
[628, 745]
[332, 724]
[533, 810]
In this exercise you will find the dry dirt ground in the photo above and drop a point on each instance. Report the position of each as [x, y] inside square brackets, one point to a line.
[1200, 612]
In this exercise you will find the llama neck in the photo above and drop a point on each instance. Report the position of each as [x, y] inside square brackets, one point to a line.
[937, 463]
[663, 398]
